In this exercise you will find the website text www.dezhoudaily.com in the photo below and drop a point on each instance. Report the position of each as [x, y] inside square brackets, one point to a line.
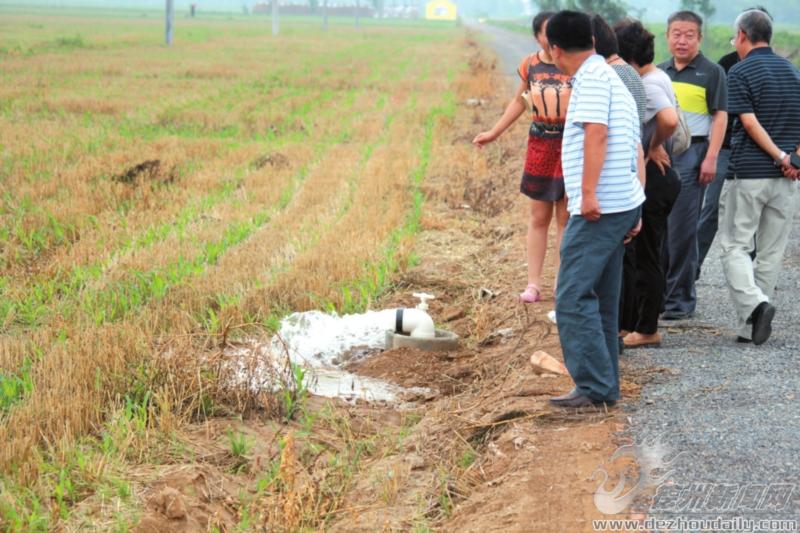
[720, 525]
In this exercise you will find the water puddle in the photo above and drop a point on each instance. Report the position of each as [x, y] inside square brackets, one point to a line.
[321, 343]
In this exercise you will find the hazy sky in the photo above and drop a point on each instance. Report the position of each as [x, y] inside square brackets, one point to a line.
[785, 11]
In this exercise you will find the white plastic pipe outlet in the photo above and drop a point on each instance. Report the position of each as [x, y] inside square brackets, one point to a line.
[417, 323]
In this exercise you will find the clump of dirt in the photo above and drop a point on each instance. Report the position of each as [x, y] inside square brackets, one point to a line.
[275, 160]
[482, 196]
[150, 170]
[195, 498]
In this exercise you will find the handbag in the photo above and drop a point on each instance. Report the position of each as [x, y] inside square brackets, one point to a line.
[682, 136]
[527, 97]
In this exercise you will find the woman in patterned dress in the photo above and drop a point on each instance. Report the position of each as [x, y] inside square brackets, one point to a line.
[544, 91]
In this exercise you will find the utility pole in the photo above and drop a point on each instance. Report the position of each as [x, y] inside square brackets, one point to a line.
[276, 27]
[170, 19]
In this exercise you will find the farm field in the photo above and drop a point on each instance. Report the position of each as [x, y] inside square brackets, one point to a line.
[156, 200]
[163, 208]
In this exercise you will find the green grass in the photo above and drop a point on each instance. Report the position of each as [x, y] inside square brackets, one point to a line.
[169, 122]
[15, 386]
[34, 38]
[240, 446]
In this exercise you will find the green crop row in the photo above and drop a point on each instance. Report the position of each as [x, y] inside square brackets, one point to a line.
[117, 300]
[359, 294]
[29, 309]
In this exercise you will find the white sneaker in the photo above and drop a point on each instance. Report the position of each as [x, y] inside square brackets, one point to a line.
[551, 316]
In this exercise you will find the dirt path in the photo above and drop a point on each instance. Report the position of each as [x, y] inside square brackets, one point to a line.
[509, 46]
[729, 409]
[713, 401]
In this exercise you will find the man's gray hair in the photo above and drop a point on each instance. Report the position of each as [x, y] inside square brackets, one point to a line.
[756, 25]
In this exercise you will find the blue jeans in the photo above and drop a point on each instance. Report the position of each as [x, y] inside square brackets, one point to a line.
[709, 220]
[587, 301]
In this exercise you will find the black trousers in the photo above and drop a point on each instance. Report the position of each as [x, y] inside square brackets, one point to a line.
[643, 278]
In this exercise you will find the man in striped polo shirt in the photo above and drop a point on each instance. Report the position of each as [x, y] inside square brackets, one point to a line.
[602, 161]
[700, 87]
[760, 192]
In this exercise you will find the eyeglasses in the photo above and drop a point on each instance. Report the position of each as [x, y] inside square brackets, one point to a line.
[733, 39]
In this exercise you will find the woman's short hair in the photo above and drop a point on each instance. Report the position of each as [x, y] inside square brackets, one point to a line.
[605, 40]
[636, 44]
[539, 20]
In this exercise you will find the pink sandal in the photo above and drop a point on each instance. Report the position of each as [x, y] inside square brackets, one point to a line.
[531, 295]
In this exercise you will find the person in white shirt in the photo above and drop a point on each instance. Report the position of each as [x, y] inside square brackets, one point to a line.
[603, 167]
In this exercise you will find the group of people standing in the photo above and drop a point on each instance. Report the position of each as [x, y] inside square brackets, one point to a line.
[641, 165]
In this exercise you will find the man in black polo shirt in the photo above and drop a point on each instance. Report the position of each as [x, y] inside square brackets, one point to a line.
[702, 94]
[759, 195]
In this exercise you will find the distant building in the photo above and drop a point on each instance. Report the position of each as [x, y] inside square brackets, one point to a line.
[298, 8]
[441, 10]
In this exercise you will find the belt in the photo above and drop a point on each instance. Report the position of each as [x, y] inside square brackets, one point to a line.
[546, 130]
[699, 139]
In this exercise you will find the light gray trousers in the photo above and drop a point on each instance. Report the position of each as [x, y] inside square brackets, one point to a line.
[760, 208]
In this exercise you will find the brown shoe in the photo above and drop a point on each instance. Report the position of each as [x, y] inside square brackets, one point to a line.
[641, 340]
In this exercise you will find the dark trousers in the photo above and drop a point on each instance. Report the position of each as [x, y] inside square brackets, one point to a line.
[587, 301]
[643, 278]
[680, 253]
[709, 215]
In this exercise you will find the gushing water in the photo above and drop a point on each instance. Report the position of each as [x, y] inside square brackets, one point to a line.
[318, 339]
[319, 342]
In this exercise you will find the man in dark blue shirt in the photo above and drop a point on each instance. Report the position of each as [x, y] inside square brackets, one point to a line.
[709, 221]
[759, 195]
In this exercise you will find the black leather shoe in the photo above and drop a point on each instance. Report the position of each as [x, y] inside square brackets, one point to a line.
[675, 315]
[571, 395]
[762, 322]
[743, 340]
[574, 399]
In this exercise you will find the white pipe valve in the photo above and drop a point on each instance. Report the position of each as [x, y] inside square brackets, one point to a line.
[423, 300]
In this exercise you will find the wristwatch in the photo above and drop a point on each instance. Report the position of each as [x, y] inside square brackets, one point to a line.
[779, 161]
